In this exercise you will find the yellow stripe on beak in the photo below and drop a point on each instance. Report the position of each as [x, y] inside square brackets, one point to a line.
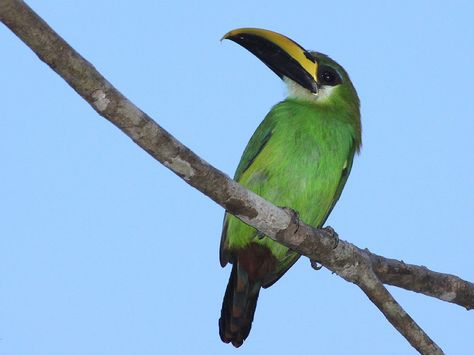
[283, 55]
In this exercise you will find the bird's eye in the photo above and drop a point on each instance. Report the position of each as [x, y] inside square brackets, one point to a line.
[328, 76]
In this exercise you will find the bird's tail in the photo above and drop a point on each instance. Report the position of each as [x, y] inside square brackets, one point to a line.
[238, 306]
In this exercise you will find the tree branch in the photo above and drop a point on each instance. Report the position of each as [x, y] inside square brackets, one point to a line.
[361, 267]
[446, 287]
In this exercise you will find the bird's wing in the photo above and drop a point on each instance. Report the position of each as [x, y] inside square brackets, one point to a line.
[292, 257]
[256, 144]
[342, 182]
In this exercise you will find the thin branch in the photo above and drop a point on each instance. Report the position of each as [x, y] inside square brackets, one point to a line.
[379, 295]
[353, 264]
[446, 287]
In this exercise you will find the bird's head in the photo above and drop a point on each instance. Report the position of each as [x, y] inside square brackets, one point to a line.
[310, 76]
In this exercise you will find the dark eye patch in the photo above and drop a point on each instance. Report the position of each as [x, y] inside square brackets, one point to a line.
[328, 76]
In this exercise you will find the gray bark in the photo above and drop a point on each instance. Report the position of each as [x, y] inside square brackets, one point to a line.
[367, 270]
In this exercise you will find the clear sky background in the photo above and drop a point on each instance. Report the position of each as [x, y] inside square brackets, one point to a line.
[105, 251]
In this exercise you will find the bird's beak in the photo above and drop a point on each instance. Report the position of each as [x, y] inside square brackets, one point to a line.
[281, 54]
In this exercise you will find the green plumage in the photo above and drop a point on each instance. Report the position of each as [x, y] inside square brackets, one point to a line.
[296, 159]
[299, 157]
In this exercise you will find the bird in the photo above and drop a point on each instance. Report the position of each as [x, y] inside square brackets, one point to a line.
[299, 157]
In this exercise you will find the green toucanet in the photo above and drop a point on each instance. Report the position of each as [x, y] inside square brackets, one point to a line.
[299, 157]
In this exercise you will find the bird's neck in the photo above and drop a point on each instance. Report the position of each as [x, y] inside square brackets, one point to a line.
[297, 92]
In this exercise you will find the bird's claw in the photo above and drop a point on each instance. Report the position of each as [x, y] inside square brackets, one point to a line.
[315, 265]
[332, 234]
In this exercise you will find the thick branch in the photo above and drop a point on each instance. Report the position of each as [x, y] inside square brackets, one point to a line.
[351, 263]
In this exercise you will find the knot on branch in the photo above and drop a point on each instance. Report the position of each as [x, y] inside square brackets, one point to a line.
[355, 266]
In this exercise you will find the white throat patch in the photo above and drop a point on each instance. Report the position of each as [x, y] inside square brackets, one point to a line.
[296, 91]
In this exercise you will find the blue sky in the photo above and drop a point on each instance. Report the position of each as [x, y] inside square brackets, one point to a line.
[104, 251]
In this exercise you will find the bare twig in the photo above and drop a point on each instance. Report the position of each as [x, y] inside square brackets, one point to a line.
[355, 265]
[361, 267]
[446, 287]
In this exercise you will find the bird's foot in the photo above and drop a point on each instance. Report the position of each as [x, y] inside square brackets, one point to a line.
[332, 234]
[315, 265]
